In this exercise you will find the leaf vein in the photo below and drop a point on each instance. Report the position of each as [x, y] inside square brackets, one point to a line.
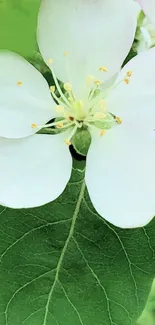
[73, 306]
[28, 233]
[75, 215]
[98, 281]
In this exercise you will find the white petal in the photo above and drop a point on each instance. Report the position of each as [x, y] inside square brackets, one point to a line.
[149, 8]
[95, 33]
[33, 170]
[25, 104]
[120, 177]
[135, 102]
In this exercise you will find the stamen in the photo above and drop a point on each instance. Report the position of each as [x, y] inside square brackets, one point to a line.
[68, 87]
[67, 141]
[33, 125]
[81, 104]
[103, 132]
[59, 125]
[70, 99]
[68, 72]
[103, 69]
[129, 74]
[19, 83]
[59, 88]
[52, 89]
[50, 61]
[126, 80]
[61, 103]
[97, 82]
[118, 120]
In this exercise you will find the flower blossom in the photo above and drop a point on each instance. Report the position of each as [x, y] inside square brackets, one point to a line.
[146, 26]
[84, 43]
[148, 7]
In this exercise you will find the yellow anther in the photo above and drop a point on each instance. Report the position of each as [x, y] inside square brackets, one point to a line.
[129, 74]
[59, 109]
[99, 115]
[33, 125]
[52, 89]
[119, 120]
[50, 61]
[102, 132]
[68, 142]
[19, 83]
[67, 86]
[126, 80]
[59, 125]
[65, 53]
[103, 69]
[97, 82]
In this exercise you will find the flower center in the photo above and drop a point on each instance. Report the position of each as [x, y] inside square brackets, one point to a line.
[90, 112]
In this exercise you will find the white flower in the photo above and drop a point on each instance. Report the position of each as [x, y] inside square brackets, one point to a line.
[148, 7]
[84, 43]
[146, 26]
[146, 36]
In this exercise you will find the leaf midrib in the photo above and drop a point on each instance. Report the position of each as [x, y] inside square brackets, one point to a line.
[70, 234]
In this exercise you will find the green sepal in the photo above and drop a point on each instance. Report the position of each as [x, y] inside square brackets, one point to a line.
[104, 124]
[81, 141]
[47, 131]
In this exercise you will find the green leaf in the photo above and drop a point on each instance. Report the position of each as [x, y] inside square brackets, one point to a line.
[62, 264]
[148, 315]
[18, 22]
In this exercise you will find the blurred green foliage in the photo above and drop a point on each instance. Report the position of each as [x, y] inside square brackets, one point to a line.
[148, 315]
[18, 21]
